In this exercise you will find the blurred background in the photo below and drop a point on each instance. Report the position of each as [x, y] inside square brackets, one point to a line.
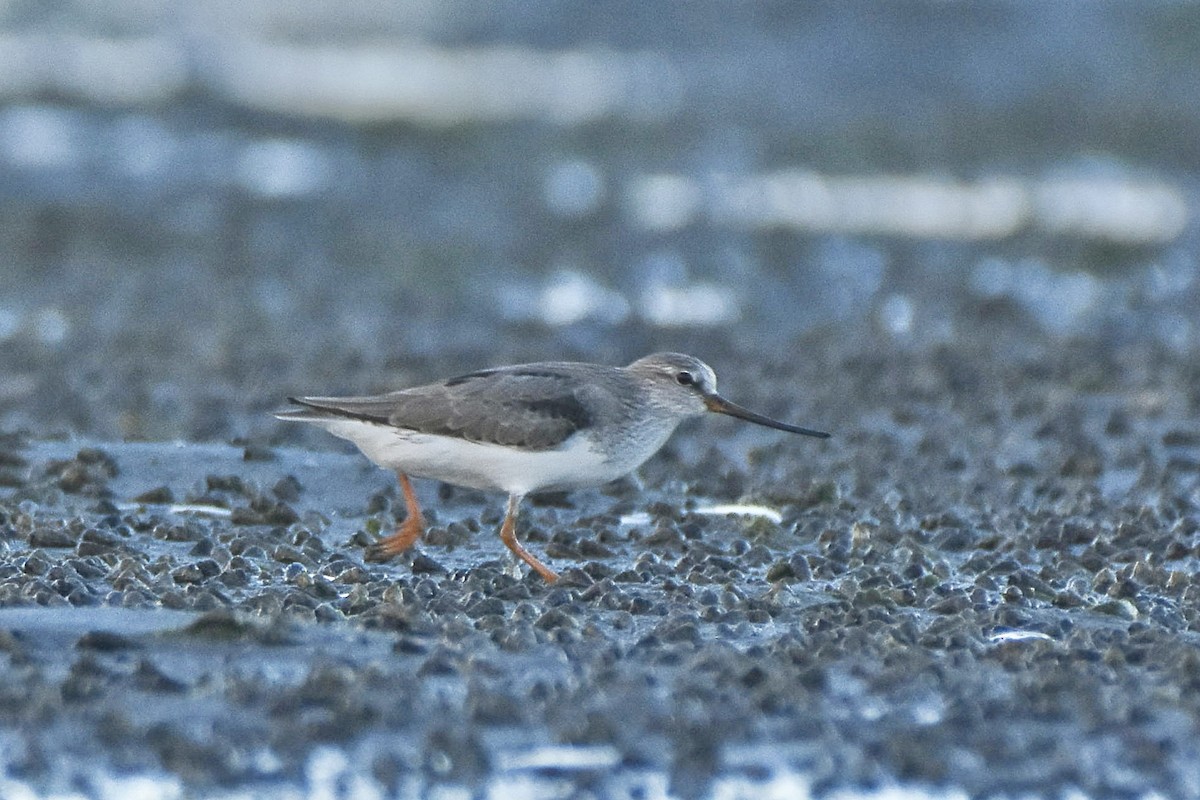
[961, 236]
[207, 205]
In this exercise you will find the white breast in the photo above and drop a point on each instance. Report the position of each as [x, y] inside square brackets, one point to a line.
[477, 465]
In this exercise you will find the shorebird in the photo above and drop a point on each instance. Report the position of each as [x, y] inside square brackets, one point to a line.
[552, 425]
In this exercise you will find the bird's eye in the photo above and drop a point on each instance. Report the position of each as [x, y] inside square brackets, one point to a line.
[685, 379]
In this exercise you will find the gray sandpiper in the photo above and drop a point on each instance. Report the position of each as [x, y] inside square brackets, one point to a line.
[551, 425]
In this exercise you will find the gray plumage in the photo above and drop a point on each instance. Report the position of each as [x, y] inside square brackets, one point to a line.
[540, 406]
[525, 428]
[530, 406]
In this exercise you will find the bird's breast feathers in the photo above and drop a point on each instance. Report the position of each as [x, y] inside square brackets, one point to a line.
[479, 465]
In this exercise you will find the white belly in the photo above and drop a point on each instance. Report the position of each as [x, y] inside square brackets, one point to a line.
[477, 465]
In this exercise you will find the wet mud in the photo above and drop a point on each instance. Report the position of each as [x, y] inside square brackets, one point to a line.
[986, 582]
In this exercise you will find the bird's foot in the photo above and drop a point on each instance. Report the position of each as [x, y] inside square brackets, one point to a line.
[405, 536]
[508, 535]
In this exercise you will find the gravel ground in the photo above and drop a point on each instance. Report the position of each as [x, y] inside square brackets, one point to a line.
[988, 587]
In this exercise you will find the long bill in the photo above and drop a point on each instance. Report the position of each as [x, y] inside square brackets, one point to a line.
[720, 405]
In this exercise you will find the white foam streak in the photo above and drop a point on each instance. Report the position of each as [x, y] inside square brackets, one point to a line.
[1127, 210]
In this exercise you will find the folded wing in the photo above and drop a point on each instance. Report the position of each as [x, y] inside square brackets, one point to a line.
[534, 408]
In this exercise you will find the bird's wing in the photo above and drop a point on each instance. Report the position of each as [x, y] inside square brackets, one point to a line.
[535, 407]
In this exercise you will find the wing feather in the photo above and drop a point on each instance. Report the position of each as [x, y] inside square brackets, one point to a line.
[536, 407]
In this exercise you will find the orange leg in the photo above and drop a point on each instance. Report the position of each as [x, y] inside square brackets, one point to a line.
[407, 532]
[508, 535]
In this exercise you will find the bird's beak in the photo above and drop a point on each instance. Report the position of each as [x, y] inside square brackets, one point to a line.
[715, 402]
